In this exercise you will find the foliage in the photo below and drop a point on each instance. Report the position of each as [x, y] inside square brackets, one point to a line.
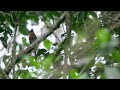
[93, 50]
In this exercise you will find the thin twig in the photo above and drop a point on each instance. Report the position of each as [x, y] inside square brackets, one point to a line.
[84, 22]
[117, 17]
[5, 13]
[12, 17]
[2, 13]
[83, 69]
[8, 47]
[49, 27]
[3, 73]
[114, 26]
[87, 64]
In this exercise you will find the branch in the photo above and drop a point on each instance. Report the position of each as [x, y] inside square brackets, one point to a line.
[83, 15]
[67, 43]
[116, 23]
[114, 19]
[49, 27]
[117, 17]
[36, 43]
[3, 74]
[14, 50]
[114, 26]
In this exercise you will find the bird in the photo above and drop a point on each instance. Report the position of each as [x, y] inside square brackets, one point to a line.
[32, 38]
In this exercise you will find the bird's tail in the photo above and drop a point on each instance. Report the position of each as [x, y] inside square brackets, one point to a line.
[35, 54]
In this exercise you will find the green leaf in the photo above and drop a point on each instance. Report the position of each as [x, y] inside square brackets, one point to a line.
[23, 19]
[24, 74]
[5, 35]
[86, 14]
[103, 76]
[23, 30]
[116, 55]
[34, 18]
[48, 61]
[48, 15]
[2, 18]
[8, 18]
[32, 61]
[9, 31]
[93, 14]
[74, 74]
[14, 15]
[18, 72]
[103, 38]
[56, 13]
[24, 41]
[5, 58]
[20, 47]
[41, 51]
[4, 42]
[1, 30]
[100, 65]
[24, 63]
[103, 35]
[22, 14]
[112, 73]
[47, 44]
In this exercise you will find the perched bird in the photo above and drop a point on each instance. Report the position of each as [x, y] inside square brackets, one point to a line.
[32, 38]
